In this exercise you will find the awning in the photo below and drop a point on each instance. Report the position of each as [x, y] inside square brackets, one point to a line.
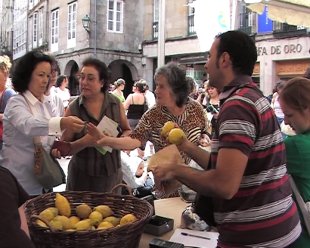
[293, 12]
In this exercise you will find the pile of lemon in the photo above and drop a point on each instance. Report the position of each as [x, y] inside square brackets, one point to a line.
[59, 218]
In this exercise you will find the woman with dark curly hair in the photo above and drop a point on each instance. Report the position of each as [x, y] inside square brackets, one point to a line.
[90, 169]
[28, 115]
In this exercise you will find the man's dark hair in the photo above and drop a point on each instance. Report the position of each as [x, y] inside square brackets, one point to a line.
[242, 51]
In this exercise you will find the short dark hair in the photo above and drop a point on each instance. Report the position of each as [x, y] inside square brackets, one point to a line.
[103, 71]
[60, 79]
[176, 77]
[24, 68]
[242, 51]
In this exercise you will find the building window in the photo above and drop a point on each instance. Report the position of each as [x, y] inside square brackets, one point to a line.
[115, 16]
[72, 7]
[40, 27]
[247, 20]
[191, 24]
[155, 18]
[35, 30]
[54, 30]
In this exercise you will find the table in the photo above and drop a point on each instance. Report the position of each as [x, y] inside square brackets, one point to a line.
[168, 207]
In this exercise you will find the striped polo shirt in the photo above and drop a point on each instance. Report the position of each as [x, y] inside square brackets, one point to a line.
[262, 213]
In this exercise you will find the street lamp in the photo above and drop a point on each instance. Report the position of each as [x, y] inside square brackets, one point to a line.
[86, 23]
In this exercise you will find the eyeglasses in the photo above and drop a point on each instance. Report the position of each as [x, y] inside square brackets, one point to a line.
[88, 78]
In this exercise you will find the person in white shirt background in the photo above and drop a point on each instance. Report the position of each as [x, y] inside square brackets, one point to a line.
[62, 91]
[50, 94]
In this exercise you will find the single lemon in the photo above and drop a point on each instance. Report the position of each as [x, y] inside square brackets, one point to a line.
[83, 225]
[95, 217]
[104, 225]
[47, 215]
[113, 220]
[83, 211]
[176, 136]
[104, 210]
[56, 225]
[167, 128]
[128, 218]
[72, 221]
[63, 205]
[64, 220]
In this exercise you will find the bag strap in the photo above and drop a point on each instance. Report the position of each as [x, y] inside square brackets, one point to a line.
[36, 139]
[301, 204]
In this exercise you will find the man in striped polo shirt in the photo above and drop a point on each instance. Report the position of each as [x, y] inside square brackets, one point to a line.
[248, 182]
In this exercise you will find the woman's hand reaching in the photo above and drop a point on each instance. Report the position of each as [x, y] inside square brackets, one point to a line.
[72, 123]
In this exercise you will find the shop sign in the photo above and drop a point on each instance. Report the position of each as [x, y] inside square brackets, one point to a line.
[279, 49]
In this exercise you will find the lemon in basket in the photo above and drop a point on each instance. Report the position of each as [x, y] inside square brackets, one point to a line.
[72, 221]
[83, 211]
[128, 218]
[64, 221]
[83, 225]
[105, 225]
[113, 220]
[47, 214]
[41, 223]
[63, 205]
[53, 210]
[95, 217]
[56, 225]
[104, 210]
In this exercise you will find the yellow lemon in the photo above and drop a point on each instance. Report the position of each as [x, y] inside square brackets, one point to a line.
[64, 221]
[104, 225]
[56, 225]
[53, 210]
[83, 211]
[63, 205]
[41, 223]
[176, 136]
[95, 217]
[83, 225]
[128, 218]
[104, 210]
[47, 215]
[113, 220]
[167, 128]
[73, 220]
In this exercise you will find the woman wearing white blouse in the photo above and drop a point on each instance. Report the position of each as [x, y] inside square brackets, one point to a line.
[29, 114]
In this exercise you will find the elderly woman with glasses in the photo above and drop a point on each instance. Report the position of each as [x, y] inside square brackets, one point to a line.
[92, 169]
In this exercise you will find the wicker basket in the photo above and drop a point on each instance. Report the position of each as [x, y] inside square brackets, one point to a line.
[127, 236]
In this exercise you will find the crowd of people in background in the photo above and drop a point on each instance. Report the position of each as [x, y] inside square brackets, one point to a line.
[234, 151]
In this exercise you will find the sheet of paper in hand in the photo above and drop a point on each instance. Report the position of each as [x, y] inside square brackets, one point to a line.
[169, 154]
[110, 128]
